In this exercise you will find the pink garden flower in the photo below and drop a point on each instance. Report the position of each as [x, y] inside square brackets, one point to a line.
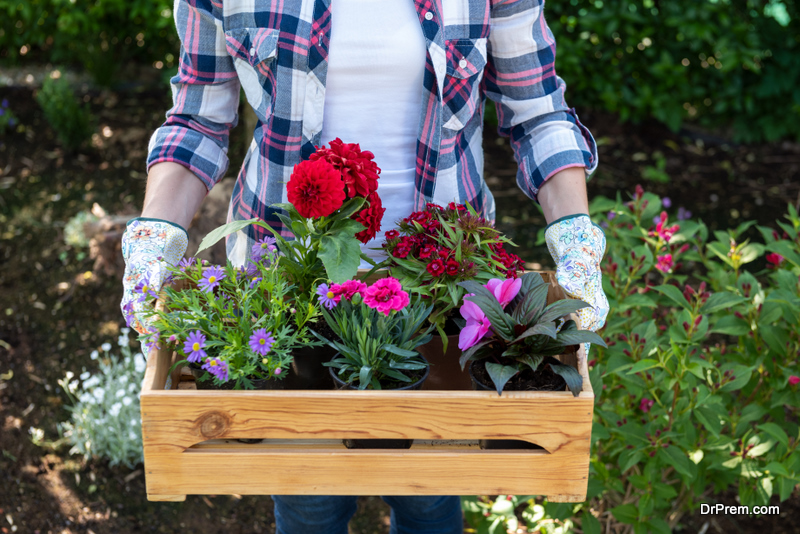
[774, 259]
[794, 380]
[504, 290]
[662, 230]
[664, 263]
[646, 404]
[386, 295]
[476, 328]
[348, 289]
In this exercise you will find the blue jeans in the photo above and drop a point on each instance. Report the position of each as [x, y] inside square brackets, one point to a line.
[319, 514]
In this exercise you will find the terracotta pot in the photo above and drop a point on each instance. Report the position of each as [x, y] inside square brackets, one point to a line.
[446, 373]
[378, 443]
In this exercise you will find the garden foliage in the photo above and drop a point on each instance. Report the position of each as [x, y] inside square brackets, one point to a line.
[105, 416]
[698, 390]
[71, 121]
[720, 62]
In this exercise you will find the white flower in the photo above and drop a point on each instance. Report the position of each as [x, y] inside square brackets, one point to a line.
[92, 382]
[99, 393]
[120, 393]
[94, 355]
[85, 398]
[85, 375]
[132, 435]
[114, 410]
[139, 363]
[69, 375]
[127, 401]
[123, 379]
[105, 347]
[73, 386]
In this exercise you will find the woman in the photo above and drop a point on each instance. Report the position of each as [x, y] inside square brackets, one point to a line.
[407, 79]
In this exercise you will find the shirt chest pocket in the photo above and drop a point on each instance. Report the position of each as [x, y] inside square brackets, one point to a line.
[254, 52]
[466, 60]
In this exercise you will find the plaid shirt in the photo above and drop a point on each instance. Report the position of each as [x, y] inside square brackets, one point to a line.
[276, 51]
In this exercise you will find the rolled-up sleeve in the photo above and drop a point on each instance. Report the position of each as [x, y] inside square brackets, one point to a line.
[520, 78]
[205, 95]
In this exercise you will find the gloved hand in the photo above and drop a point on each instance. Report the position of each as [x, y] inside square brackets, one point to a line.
[577, 246]
[148, 246]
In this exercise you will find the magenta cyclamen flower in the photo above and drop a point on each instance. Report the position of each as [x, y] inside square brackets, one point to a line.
[504, 290]
[477, 325]
[193, 347]
[386, 295]
[211, 278]
[326, 296]
[217, 367]
[261, 341]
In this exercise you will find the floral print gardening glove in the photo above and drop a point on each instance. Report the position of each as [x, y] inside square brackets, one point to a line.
[148, 246]
[577, 246]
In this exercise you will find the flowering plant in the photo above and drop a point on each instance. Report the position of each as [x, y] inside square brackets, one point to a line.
[333, 205]
[378, 327]
[237, 324]
[524, 338]
[437, 248]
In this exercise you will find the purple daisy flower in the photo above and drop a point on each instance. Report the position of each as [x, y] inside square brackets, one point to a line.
[666, 202]
[211, 278]
[610, 215]
[145, 288]
[185, 263]
[252, 269]
[193, 346]
[5, 103]
[217, 367]
[261, 341]
[684, 214]
[326, 296]
[263, 247]
[255, 282]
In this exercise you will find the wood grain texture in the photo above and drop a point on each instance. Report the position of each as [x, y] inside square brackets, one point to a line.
[189, 435]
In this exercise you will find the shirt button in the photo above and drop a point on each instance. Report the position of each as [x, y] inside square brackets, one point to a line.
[463, 63]
[428, 16]
[253, 51]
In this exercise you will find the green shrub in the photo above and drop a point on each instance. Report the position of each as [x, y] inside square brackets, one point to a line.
[718, 62]
[71, 121]
[698, 391]
[105, 419]
[99, 35]
[7, 118]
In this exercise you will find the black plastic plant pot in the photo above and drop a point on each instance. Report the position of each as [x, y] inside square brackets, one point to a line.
[379, 443]
[497, 444]
[307, 371]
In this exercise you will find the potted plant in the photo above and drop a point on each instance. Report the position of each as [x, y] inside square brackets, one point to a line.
[511, 335]
[333, 207]
[378, 331]
[430, 253]
[235, 327]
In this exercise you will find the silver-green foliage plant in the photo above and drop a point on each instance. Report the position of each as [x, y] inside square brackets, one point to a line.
[105, 421]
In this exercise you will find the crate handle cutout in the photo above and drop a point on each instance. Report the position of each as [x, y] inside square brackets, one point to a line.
[304, 446]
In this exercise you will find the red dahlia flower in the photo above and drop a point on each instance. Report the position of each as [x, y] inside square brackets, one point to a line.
[315, 189]
[359, 172]
[370, 217]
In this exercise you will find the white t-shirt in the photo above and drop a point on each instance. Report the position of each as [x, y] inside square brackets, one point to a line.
[373, 95]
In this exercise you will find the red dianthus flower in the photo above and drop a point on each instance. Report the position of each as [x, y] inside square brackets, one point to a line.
[452, 267]
[315, 189]
[359, 172]
[436, 267]
[370, 217]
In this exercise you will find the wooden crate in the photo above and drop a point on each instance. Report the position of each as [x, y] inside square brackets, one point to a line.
[190, 437]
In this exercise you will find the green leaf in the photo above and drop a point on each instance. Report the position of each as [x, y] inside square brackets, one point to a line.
[570, 375]
[775, 431]
[760, 449]
[775, 338]
[590, 524]
[348, 208]
[742, 374]
[225, 230]
[785, 249]
[576, 337]
[674, 294]
[340, 254]
[533, 361]
[709, 419]
[643, 365]
[777, 468]
[721, 300]
[732, 326]
[561, 308]
[364, 376]
[400, 352]
[678, 460]
[625, 513]
[545, 329]
[500, 374]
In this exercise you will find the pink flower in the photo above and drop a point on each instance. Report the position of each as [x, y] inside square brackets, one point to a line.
[774, 259]
[504, 290]
[664, 263]
[794, 380]
[347, 289]
[646, 404]
[476, 328]
[662, 230]
[386, 295]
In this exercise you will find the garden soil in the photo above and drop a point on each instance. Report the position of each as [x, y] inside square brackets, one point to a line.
[60, 302]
